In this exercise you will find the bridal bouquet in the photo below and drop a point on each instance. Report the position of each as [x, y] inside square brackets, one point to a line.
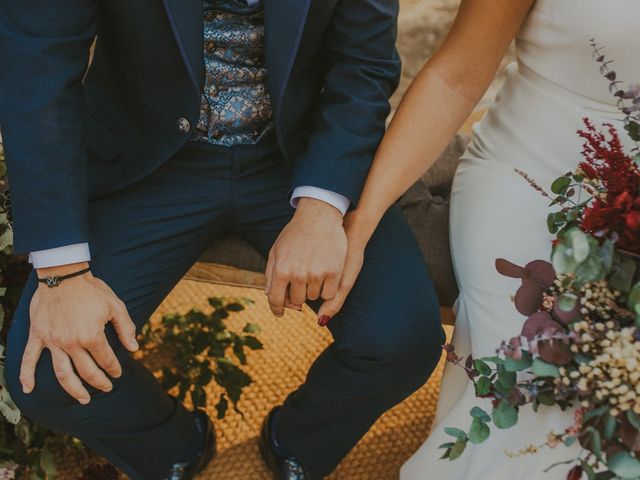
[580, 344]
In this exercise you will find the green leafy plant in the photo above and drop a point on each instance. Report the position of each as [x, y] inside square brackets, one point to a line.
[197, 349]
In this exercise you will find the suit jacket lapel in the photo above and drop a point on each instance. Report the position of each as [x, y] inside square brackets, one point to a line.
[187, 21]
[284, 25]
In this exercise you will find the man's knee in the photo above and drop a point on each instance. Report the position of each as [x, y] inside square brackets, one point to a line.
[402, 344]
[412, 343]
[48, 404]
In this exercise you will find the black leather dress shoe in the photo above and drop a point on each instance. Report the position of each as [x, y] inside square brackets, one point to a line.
[282, 468]
[187, 471]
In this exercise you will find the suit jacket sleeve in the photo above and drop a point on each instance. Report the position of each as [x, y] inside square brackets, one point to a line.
[363, 71]
[44, 52]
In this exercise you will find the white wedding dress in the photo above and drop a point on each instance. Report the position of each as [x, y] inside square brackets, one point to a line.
[495, 213]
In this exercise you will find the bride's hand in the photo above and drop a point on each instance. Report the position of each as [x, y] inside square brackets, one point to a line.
[353, 264]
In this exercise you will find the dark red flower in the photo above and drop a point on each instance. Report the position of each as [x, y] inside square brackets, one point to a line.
[606, 160]
[575, 473]
[620, 218]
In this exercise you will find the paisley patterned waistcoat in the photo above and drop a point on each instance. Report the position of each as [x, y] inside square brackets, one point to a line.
[236, 107]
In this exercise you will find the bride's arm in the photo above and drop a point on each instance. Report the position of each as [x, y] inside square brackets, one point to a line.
[440, 99]
[438, 102]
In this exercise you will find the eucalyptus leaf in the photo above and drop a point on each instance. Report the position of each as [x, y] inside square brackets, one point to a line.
[590, 270]
[482, 367]
[589, 471]
[457, 449]
[563, 260]
[622, 276]
[447, 445]
[494, 360]
[483, 386]
[598, 412]
[606, 254]
[634, 419]
[580, 245]
[506, 378]
[624, 465]
[455, 432]
[560, 185]
[567, 301]
[594, 442]
[610, 425]
[505, 415]
[479, 431]
[477, 412]
[540, 368]
[513, 365]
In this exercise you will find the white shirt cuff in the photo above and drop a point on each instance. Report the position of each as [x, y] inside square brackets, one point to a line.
[56, 257]
[334, 199]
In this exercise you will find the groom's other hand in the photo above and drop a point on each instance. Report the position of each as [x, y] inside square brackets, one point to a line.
[70, 321]
[307, 259]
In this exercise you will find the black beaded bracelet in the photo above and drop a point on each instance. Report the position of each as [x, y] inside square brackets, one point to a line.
[57, 280]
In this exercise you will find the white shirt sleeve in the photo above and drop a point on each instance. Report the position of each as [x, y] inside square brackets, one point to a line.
[79, 252]
[334, 199]
[56, 257]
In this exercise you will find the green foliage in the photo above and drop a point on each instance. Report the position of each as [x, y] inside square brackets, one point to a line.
[505, 415]
[580, 254]
[200, 350]
[540, 368]
[566, 187]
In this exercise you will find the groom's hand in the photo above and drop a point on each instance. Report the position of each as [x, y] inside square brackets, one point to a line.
[69, 320]
[307, 259]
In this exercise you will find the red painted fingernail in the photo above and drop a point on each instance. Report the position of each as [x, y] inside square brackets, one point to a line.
[323, 320]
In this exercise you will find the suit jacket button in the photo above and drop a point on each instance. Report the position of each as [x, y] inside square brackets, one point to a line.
[183, 125]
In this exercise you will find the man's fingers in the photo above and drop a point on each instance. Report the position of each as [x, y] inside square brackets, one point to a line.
[30, 359]
[298, 292]
[289, 304]
[314, 288]
[332, 307]
[89, 371]
[330, 287]
[67, 377]
[103, 354]
[277, 292]
[125, 328]
[269, 273]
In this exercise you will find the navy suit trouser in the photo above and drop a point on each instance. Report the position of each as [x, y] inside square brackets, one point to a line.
[146, 236]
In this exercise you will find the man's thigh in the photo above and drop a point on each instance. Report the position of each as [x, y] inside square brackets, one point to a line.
[145, 237]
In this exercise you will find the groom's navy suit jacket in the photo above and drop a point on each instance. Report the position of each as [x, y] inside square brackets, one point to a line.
[71, 134]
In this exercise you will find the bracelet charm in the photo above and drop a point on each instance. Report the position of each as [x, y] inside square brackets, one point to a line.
[55, 281]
